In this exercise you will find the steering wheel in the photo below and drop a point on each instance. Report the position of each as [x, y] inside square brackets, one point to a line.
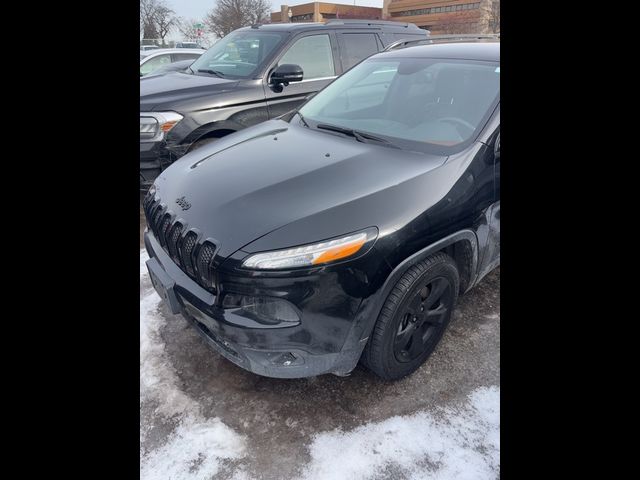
[458, 122]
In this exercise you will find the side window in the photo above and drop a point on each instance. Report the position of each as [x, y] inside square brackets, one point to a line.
[357, 47]
[154, 63]
[313, 54]
[177, 57]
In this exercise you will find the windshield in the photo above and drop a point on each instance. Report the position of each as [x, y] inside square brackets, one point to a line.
[239, 54]
[417, 104]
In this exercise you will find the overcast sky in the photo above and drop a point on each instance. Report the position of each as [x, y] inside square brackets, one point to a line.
[198, 8]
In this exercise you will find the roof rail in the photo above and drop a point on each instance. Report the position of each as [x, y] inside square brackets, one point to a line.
[341, 21]
[464, 37]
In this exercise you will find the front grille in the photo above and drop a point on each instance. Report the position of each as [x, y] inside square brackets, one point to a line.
[186, 253]
[172, 242]
[181, 244]
[205, 257]
[155, 219]
[164, 228]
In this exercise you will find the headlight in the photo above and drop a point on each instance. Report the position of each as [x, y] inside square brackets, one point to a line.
[153, 125]
[316, 254]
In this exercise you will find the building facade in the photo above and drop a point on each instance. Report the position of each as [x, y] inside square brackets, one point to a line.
[320, 11]
[447, 16]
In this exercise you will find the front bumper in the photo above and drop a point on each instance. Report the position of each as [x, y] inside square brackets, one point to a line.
[325, 341]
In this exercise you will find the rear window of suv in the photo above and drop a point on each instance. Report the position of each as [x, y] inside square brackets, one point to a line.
[356, 47]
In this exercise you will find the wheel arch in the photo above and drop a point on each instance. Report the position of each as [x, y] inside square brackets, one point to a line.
[463, 244]
[213, 129]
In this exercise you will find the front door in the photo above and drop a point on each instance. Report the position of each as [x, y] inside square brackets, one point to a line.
[315, 53]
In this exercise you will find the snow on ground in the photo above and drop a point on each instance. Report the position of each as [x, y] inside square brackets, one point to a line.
[448, 443]
[198, 446]
[457, 442]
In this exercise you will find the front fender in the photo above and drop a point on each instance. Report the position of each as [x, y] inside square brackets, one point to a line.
[370, 308]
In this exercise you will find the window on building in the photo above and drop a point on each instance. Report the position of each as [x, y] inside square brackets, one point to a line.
[313, 54]
[429, 11]
[306, 17]
[357, 47]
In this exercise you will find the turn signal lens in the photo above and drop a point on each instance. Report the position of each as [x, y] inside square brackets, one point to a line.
[316, 254]
[165, 127]
[342, 251]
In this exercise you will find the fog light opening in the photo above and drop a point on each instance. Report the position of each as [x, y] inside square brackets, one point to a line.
[261, 309]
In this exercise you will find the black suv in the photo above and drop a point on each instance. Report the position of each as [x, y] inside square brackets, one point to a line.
[343, 231]
[251, 75]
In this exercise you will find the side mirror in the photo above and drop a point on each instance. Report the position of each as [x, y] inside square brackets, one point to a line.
[286, 73]
[496, 147]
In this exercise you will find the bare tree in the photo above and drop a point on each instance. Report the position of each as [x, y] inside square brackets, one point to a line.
[156, 19]
[147, 18]
[494, 17]
[228, 15]
[165, 20]
[187, 28]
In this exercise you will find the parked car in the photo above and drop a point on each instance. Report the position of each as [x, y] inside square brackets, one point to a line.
[154, 59]
[247, 78]
[179, 66]
[343, 231]
[188, 45]
[146, 48]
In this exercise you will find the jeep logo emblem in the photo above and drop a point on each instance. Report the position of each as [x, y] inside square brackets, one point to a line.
[183, 203]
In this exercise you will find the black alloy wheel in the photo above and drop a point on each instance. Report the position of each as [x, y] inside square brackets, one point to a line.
[413, 318]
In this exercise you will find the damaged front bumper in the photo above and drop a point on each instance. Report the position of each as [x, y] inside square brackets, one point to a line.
[323, 341]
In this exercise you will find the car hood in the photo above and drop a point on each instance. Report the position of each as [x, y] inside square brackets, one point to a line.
[161, 92]
[275, 174]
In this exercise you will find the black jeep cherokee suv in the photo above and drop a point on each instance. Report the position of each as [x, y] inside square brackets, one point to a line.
[251, 75]
[344, 231]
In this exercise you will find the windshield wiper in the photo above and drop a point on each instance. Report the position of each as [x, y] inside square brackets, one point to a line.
[363, 137]
[212, 72]
[304, 122]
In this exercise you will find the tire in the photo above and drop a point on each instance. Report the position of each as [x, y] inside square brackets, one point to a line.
[413, 318]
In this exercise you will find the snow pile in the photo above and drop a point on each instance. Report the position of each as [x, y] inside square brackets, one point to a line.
[198, 446]
[447, 443]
